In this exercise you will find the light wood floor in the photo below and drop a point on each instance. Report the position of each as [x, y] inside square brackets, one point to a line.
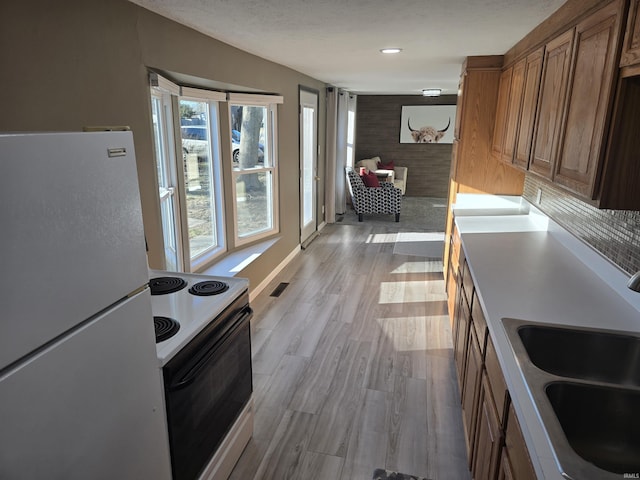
[353, 366]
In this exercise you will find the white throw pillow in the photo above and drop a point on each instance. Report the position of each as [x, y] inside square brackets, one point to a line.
[371, 164]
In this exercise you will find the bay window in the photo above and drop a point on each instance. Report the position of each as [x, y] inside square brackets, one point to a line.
[189, 161]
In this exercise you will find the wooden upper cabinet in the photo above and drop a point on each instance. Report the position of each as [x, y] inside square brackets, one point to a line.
[514, 107]
[631, 47]
[516, 110]
[553, 89]
[531, 88]
[502, 106]
[589, 101]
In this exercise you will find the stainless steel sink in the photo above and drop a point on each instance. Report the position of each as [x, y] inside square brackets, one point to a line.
[586, 387]
[583, 353]
[601, 423]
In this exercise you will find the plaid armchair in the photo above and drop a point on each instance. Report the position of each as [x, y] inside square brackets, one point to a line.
[373, 200]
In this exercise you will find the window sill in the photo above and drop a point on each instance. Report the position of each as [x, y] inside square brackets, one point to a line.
[232, 264]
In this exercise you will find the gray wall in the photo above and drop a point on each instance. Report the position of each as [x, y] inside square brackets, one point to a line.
[378, 134]
[74, 63]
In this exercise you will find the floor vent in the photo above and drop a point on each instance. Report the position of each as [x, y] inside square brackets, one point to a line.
[279, 289]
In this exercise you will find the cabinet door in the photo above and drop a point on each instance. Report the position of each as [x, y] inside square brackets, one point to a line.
[461, 326]
[501, 112]
[504, 468]
[488, 437]
[555, 75]
[516, 449]
[528, 110]
[589, 101]
[631, 48]
[496, 379]
[471, 392]
[513, 111]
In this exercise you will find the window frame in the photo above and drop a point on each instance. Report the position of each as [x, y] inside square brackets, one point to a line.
[203, 259]
[270, 102]
[165, 91]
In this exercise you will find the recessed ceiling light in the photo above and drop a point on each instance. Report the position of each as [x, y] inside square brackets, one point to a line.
[431, 92]
[391, 50]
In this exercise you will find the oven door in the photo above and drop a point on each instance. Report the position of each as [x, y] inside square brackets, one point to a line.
[207, 384]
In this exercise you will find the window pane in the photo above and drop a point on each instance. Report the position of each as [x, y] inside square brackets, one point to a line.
[308, 163]
[198, 175]
[248, 136]
[254, 202]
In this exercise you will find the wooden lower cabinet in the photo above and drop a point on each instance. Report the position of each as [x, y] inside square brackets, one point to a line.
[505, 472]
[453, 265]
[496, 380]
[495, 445]
[461, 336]
[488, 439]
[471, 391]
[515, 450]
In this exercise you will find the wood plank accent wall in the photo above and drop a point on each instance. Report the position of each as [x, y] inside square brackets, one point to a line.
[378, 134]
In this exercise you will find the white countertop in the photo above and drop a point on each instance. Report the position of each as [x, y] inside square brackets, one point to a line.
[525, 266]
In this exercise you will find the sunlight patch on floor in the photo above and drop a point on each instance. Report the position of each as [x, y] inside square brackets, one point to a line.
[381, 238]
[412, 291]
[410, 334]
[420, 266]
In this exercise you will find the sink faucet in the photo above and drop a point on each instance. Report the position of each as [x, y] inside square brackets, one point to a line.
[634, 282]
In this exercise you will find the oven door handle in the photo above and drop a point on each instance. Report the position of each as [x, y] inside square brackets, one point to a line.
[242, 316]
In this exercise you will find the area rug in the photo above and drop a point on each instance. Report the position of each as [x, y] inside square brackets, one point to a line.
[382, 474]
[420, 244]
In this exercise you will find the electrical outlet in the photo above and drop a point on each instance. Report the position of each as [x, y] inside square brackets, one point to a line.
[539, 196]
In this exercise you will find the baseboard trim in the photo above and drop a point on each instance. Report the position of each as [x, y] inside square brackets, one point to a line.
[256, 291]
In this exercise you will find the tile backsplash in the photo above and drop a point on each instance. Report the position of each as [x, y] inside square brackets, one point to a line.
[614, 233]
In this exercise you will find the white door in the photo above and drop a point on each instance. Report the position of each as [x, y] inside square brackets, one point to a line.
[308, 163]
[165, 160]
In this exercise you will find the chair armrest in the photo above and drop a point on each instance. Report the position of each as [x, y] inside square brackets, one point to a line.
[401, 173]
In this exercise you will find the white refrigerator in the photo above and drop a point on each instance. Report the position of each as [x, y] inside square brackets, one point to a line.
[80, 387]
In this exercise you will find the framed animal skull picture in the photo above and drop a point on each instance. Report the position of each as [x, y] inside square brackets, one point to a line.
[427, 123]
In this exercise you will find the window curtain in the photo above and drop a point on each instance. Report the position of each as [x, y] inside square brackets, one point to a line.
[337, 143]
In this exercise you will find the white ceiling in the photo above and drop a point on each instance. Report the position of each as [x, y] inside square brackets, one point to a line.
[338, 41]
